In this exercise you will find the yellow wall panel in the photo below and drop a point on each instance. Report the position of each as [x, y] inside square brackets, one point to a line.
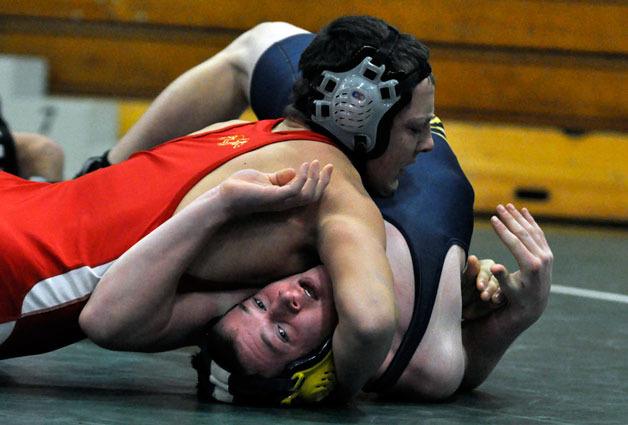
[584, 177]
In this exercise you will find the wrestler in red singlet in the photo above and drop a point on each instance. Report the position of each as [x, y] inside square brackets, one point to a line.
[58, 239]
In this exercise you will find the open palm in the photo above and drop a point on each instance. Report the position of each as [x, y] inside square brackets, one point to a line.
[250, 191]
[527, 290]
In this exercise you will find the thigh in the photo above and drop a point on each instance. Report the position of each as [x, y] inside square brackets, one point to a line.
[437, 366]
[275, 73]
[38, 157]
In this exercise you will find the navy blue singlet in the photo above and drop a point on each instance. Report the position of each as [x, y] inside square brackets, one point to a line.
[433, 208]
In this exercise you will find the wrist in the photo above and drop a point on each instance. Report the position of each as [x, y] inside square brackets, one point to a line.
[515, 319]
[209, 209]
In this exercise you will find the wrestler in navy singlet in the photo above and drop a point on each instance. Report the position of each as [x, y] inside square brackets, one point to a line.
[433, 207]
[433, 210]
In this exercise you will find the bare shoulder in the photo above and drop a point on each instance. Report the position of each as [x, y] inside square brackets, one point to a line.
[345, 182]
[219, 125]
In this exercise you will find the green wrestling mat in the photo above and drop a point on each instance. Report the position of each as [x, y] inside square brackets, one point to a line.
[570, 368]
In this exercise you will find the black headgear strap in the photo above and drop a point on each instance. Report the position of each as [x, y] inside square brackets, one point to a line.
[252, 389]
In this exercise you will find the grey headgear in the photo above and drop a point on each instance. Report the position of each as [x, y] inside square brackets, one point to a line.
[354, 103]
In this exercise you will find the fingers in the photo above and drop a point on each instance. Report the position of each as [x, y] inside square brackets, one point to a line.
[516, 238]
[506, 284]
[487, 283]
[324, 180]
[472, 269]
[484, 275]
[282, 177]
[519, 226]
[524, 238]
[538, 231]
[309, 189]
[317, 182]
[498, 296]
[293, 186]
[308, 185]
[489, 290]
[487, 295]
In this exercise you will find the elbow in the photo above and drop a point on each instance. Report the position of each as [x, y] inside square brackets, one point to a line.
[94, 324]
[376, 328]
[380, 331]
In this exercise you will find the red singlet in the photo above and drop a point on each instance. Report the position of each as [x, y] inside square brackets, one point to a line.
[57, 240]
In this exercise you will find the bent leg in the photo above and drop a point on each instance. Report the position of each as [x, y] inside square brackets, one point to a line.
[38, 156]
[213, 91]
[276, 71]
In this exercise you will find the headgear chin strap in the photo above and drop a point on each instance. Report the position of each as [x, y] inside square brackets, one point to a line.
[354, 103]
[307, 380]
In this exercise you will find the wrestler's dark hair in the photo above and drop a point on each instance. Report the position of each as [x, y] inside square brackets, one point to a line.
[335, 48]
[220, 347]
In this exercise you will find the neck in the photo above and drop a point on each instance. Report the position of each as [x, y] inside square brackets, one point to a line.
[290, 124]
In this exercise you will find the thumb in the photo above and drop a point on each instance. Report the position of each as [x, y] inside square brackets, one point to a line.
[504, 278]
[500, 272]
[282, 177]
[473, 267]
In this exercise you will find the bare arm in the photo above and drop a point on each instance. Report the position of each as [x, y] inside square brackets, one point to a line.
[136, 306]
[352, 246]
[526, 292]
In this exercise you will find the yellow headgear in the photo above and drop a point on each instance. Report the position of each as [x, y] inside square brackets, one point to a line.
[309, 379]
[314, 384]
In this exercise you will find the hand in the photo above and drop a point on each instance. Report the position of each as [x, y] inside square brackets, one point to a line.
[527, 289]
[250, 191]
[481, 293]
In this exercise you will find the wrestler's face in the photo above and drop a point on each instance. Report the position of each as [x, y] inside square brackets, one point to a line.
[409, 134]
[282, 322]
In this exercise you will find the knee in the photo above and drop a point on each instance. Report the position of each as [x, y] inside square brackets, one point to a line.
[273, 30]
[34, 146]
[263, 35]
[39, 155]
[444, 375]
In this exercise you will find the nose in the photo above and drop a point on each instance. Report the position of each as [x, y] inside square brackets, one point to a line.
[289, 302]
[425, 145]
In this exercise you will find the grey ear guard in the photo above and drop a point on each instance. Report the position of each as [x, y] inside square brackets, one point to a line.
[354, 103]
[357, 106]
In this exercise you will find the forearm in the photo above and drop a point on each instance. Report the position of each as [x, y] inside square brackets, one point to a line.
[485, 341]
[364, 298]
[526, 291]
[190, 314]
[135, 299]
[358, 355]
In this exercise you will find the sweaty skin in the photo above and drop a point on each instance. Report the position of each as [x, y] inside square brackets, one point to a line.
[282, 322]
[136, 305]
[231, 71]
[439, 366]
